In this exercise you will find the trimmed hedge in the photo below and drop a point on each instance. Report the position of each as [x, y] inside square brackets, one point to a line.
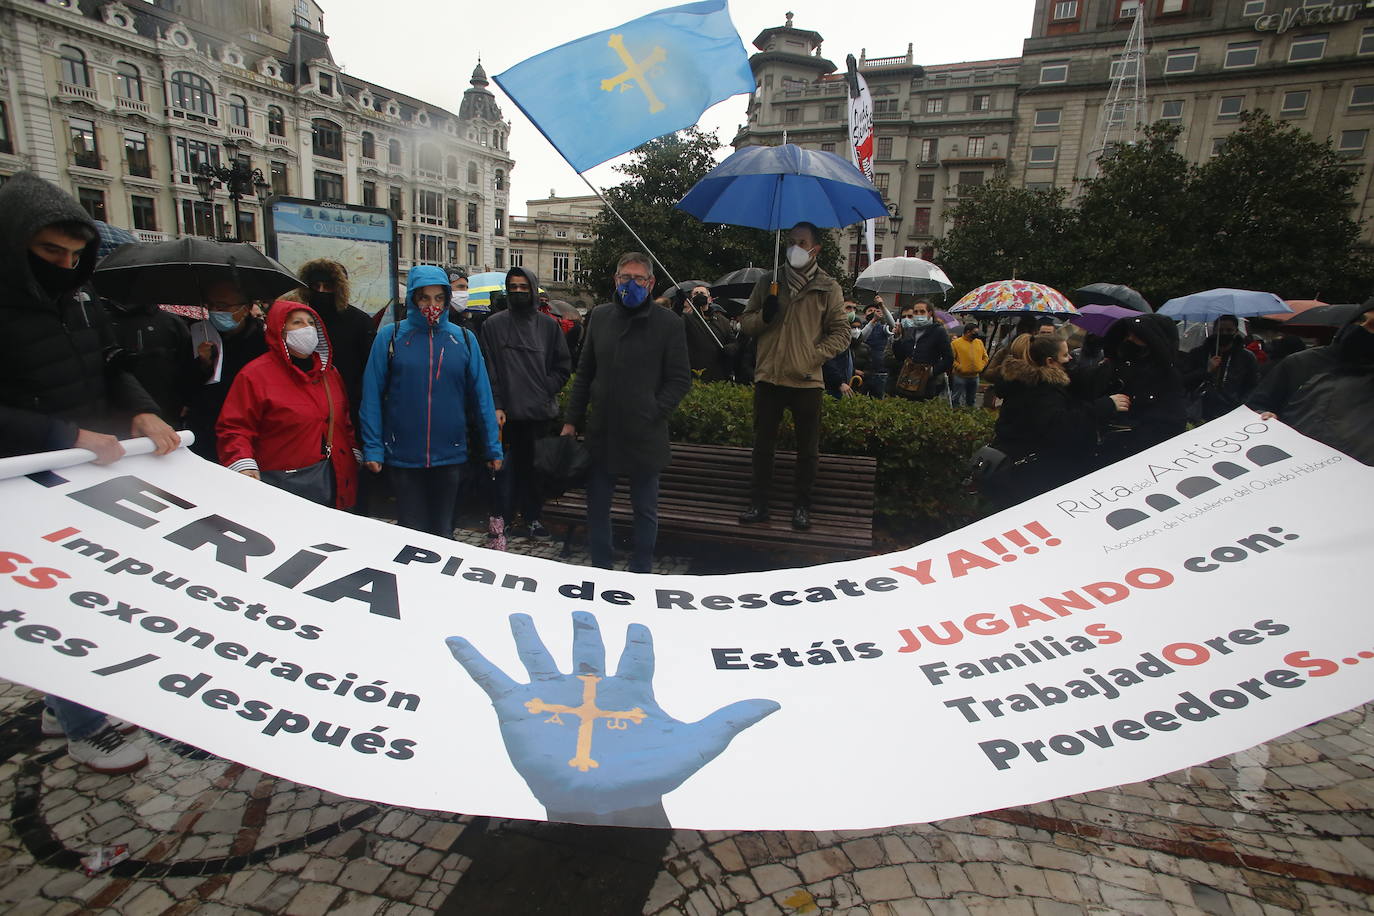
[922, 448]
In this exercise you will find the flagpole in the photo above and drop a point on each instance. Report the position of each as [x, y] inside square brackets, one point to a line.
[649, 251]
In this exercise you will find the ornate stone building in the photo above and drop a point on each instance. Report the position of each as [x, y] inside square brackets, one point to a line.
[551, 239]
[937, 129]
[119, 102]
[1308, 63]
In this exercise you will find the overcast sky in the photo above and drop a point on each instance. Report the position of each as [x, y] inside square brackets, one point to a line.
[427, 49]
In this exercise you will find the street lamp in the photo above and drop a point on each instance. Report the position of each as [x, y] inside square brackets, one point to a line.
[894, 225]
[238, 180]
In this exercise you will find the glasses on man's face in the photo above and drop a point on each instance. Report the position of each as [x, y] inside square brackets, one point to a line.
[631, 278]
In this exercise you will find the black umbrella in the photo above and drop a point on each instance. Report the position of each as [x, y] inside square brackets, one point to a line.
[738, 284]
[1110, 294]
[181, 271]
[1324, 316]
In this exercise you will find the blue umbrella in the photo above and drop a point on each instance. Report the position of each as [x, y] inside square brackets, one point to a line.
[776, 187]
[1213, 303]
[111, 237]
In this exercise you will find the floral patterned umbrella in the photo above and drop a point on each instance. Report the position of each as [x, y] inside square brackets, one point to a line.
[1004, 296]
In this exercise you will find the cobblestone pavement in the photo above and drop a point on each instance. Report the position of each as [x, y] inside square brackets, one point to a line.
[1284, 827]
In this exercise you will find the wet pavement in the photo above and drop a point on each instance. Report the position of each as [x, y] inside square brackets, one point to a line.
[1281, 828]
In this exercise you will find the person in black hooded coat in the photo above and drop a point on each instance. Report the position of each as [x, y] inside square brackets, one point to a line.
[1141, 363]
[1042, 424]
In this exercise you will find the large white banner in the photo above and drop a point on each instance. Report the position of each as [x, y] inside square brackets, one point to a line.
[1200, 598]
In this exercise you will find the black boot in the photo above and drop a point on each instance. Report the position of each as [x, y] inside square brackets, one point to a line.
[801, 517]
[754, 515]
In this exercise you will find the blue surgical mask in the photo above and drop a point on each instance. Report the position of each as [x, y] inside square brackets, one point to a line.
[908, 322]
[224, 321]
[631, 294]
[921, 321]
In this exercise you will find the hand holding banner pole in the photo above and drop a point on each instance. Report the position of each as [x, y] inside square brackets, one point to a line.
[20, 465]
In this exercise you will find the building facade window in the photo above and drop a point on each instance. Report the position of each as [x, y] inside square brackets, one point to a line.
[276, 121]
[451, 168]
[1253, 8]
[128, 81]
[472, 173]
[1181, 60]
[791, 116]
[326, 84]
[517, 257]
[498, 258]
[980, 103]
[427, 248]
[969, 180]
[1362, 97]
[935, 105]
[1353, 141]
[369, 193]
[74, 69]
[280, 183]
[248, 226]
[1054, 72]
[1065, 9]
[975, 147]
[1310, 47]
[85, 152]
[928, 150]
[499, 225]
[560, 266]
[393, 203]
[201, 219]
[925, 187]
[1124, 67]
[1043, 155]
[1230, 107]
[880, 181]
[1294, 103]
[192, 92]
[429, 159]
[136, 154]
[329, 187]
[1366, 45]
[1167, 7]
[326, 139]
[884, 148]
[369, 145]
[429, 207]
[920, 221]
[832, 112]
[887, 106]
[500, 179]
[827, 147]
[93, 202]
[238, 111]
[1047, 118]
[1171, 110]
[393, 152]
[451, 213]
[452, 248]
[472, 255]
[144, 210]
[1127, 9]
[6, 141]
[472, 218]
[1241, 54]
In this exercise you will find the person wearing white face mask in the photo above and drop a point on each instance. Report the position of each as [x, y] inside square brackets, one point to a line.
[287, 411]
[797, 329]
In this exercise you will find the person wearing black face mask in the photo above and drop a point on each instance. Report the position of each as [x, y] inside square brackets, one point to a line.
[1328, 392]
[61, 386]
[1220, 374]
[708, 335]
[1141, 363]
[528, 362]
[349, 327]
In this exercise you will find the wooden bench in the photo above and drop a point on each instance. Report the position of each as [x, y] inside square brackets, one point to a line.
[703, 491]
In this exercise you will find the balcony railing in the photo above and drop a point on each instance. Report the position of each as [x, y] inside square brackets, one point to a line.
[124, 104]
[236, 131]
[86, 160]
[75, 91]
[148, 235]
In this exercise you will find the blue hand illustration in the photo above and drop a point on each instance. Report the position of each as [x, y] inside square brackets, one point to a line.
[592, 748]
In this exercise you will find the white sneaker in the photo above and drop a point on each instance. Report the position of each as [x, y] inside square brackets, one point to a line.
[107, 752]
[53, 728]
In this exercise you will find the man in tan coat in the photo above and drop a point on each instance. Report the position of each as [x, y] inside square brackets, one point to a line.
[797, 331]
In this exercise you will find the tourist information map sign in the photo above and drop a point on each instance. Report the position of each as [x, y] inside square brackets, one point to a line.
[362, 239]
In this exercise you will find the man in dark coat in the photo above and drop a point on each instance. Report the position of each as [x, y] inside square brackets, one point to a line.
[63, 386]
[1142, 357]
[708, 335]
[633, 371]
[1220, 374]
[242, 341]
[528, 363]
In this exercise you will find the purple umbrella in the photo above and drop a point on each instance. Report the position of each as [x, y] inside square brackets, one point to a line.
[949, 320]
[1095, 319]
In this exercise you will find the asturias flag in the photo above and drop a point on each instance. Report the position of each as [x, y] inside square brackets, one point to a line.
[605, 94]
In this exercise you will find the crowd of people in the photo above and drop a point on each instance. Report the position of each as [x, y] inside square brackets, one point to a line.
[446, 407]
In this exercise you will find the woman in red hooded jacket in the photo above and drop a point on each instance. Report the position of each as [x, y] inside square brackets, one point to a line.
[277, 414]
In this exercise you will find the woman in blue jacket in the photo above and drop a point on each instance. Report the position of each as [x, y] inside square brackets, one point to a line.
[425, 377]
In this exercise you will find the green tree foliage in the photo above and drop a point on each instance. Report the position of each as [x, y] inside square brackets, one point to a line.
[1003, 232]
[1274, 206]
[1136, 223]
[658, 175]
[1270, 212]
